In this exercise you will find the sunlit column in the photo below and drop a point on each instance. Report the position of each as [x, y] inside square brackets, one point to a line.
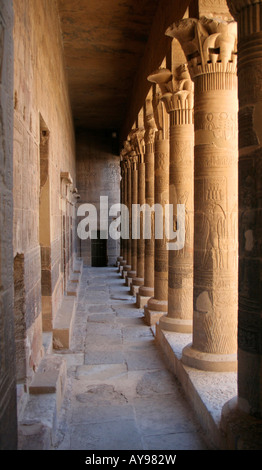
[147, 290]
[177, 94]
[127, 266]
[134, 181]
[123, 262]
[138, 138]
[210, 48]
[122, 192]
[157, 305]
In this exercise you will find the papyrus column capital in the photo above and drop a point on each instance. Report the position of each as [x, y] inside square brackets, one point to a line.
[150, 125]
[210, 45]
[177, 93]
[138, 142]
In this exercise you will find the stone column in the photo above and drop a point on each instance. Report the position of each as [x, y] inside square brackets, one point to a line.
[134, 178]
[157, 305]
[123, 262]
[210, 48]
[242, 416]
[140, 145]
[147, 290]
[177, 94]
[128, 265]
[122, 192]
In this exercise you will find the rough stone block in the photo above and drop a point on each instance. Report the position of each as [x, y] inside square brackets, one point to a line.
[50, 378]
[63, 324]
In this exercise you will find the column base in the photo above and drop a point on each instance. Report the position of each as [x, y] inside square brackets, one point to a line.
[176, 324]
[141, 300]
[143, 296]
[209, 362]
[129, 276]
[154, 310]
[241, 431]
[126, 268]
[137, 282]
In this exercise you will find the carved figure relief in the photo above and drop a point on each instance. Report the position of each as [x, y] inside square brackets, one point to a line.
[212, 233]
[222, 125]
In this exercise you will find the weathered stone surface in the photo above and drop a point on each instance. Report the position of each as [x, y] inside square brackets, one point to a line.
[125, 405]
[63, 324]
[97, 175]
[8, 418]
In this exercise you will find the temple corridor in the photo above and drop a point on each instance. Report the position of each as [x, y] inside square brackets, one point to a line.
[130, 225]
[119, 394]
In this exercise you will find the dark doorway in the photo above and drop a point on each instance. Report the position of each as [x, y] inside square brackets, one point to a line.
[99, 251]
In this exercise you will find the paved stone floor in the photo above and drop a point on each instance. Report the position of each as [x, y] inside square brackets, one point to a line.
[120, 395]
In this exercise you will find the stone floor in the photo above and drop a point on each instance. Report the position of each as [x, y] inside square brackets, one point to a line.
[120, 395]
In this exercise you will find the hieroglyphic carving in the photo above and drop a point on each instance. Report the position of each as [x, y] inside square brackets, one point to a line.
[210, 48]
[223, 125]
[177, 95]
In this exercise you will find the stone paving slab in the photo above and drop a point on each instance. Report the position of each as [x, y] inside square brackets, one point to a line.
[112, 435]
[120, 395]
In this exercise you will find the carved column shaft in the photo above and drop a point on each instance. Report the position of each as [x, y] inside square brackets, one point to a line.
[249, 17]
[210, 47]
[124, 201]
[161, 198]
[134, 182]
[139, 279]
[127, 267]
[177, 94]
[157, 305]
[147, 290]
[180, 262]
[215, 247]
[122, 172]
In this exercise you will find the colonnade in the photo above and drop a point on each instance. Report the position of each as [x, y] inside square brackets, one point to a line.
[189, 153]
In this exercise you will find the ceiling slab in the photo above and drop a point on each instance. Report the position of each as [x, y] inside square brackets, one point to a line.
[104, 42]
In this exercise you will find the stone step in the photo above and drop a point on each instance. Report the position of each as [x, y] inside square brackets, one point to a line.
[75, 277]
[47, 340]
[78, 266]
[38, 425]
[72, 289]
[63, 323]
[50, 377]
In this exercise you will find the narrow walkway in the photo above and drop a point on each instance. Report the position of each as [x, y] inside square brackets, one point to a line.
[120, 395]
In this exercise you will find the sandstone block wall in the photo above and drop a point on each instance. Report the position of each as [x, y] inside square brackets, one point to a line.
[8, 433]
[98, 174]
[41, 104]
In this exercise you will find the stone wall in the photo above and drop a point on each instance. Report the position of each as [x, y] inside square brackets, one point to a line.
[8, 433]
[98, 174]
[41, 112]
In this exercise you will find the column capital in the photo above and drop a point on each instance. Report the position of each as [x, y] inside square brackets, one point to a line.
[149, 123]
[210, 45]
[138, 142]
[235, 6]
[177, 89]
